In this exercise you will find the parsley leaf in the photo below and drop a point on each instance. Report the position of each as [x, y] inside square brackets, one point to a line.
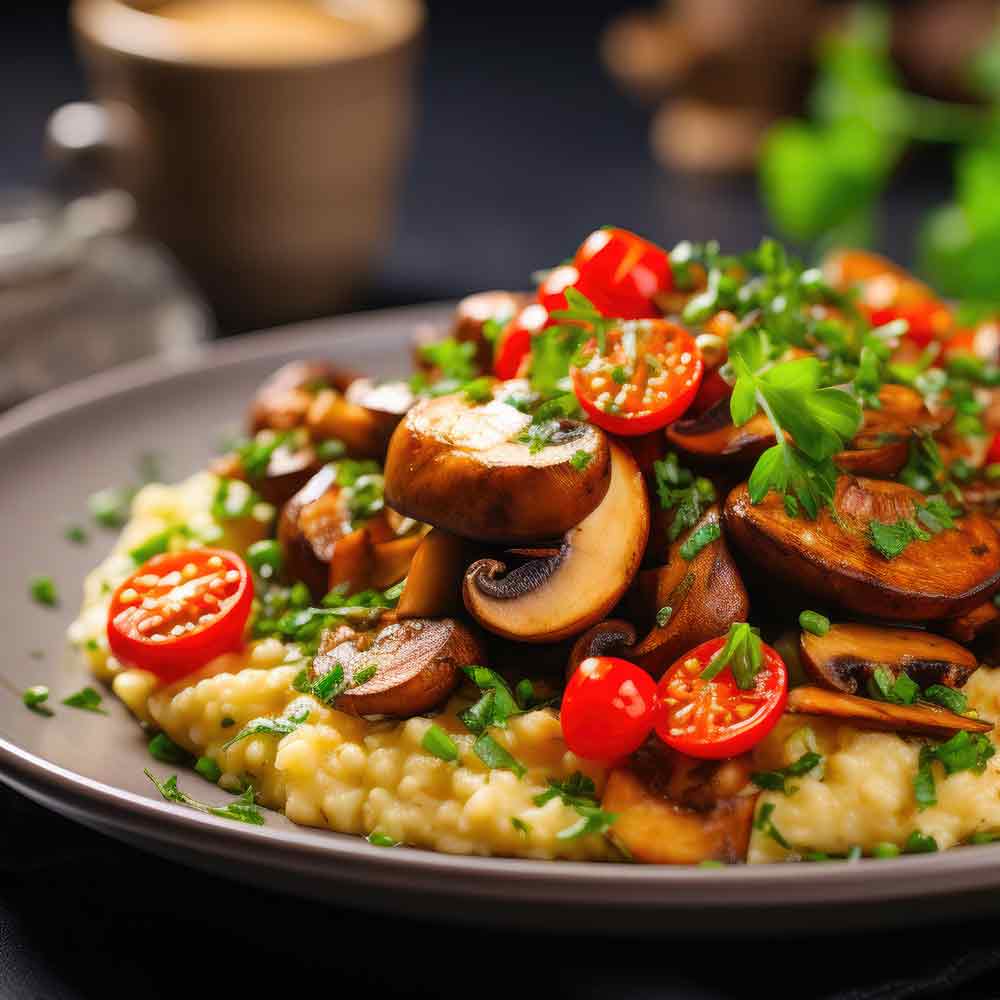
[890, 540]
[265, 726]
[493, 755]
[899, 689]
[87, 699]
[243, 810]
[679, 490]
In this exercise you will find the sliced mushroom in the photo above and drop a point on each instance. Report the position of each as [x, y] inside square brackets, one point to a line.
[882, 445]
[846, 657]
[982, 618]
[560, 595]
[714, 438]
[363, 417]
[925, 720]
[417, 664]
[391, 559]
[434, 583]
[674, 810]
[832, 558]
[282, 402]
[473, 313]
[705, 596]
[461, 467]
[614, 637]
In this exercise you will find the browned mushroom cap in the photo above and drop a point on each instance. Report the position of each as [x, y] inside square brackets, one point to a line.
[982, 618]
[560, 595]
[473, 313]
[363, 417]
[459, 466]
[417, 664]
[674, 810]
[881, 446]
[613, 637]
[282, 402]
[434, 584]
[831, 557]
[713, 437]
[925, 720]
[288, 470]
[319, 546]
[846, 657]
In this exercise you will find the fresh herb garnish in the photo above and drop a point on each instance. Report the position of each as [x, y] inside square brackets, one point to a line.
[580, 460]
[919, 843]
[663, 616]
[264, 726]
[364, 675]
[742, 652]
[43, 591]
[233, 500]
[890, 540]
[87, 699]
[164, 749]
[243, 810]
[493, 755]
[208, 769]
[522, 828]
[947, 698]
[963, 752]
[814, 622]
[330, 686]
[680, 491]
[35, 698]
[777, 780]
[437, 742]
[900, 689]
[110, 507]
[765, 824]
[496, 705]
[265, 558]
[579, 793]
[76, 534]
[377, 839]
[701, 538]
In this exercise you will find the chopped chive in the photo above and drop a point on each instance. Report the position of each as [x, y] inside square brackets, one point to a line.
[364, 675]
[814, 622]
[884, 849]
[701, 538]
[493, 755]
[663, 616]
[523, 828]
[76, 534]
[43, 591]
[439, 743]
[35, 698]
[264, 558]
[381, 839]
[920, 843]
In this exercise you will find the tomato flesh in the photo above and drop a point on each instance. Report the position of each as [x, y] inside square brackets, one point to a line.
[514, 343]
[179, 610]
[607, 708]
[645, 377]
[713, 719]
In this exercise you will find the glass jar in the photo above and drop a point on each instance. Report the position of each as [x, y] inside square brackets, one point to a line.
[78, 294]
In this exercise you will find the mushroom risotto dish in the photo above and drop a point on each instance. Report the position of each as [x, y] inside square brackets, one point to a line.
[683, 558]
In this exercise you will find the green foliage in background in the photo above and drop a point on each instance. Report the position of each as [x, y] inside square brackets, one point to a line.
[821, 178]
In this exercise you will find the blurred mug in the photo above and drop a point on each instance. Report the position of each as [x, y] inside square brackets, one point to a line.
[262, 140]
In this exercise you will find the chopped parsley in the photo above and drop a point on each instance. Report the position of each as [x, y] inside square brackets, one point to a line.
[243, 810]
[265, 558]
[110, 507]
[208, 769]
[947, 698]
[76, 534]
[742, 652]
[580, 460]
[962, 752]
[330, 450]
[680, 491]
[437, 742]
[522, 828]
[479, 390]
[264, 726]
[777, 780]
[164, 749]
[663, 616]
[496, 705]
[35, 698]
[579, 793]
[900, 689]
[920, 843]
[86, 699]
[43, 591]
[890, 540]
[704, 536]
[493, 755]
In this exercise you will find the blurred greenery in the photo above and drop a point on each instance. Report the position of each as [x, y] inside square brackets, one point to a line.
[822, 178]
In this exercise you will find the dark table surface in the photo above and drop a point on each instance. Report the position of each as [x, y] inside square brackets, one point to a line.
[523, 147]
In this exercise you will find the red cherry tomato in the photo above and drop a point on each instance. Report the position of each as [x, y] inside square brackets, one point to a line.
[179, 610]
[993, 454]
[514, 343]
[927, 318]
[619, 272]
[645, 378]
[607, 708]
[715, 718]
[713, 388]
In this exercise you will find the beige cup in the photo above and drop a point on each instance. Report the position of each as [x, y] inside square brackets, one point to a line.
[271, 175]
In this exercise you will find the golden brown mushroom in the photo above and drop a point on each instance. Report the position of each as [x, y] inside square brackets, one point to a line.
[832, 558]
[363, 417]
[289, 468]
[675, 810]
[846, 657]
[434, 583]
[282, 402]
[562, 594]
[865, 713]
[473, 313]
[461, 467]
[405, 668]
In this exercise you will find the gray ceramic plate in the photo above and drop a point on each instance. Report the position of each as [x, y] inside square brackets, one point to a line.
[57, 450]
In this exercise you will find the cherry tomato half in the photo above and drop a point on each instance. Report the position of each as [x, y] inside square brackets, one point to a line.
[514, 343]
[645, 378]
[607, 708]
[179, 610]
[993, 453]
[715, 718]
[619, 272]
[927, 318]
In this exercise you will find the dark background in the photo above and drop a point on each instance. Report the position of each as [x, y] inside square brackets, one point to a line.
[523, 147]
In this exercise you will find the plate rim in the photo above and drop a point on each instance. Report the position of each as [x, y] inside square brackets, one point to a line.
[946, 873]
